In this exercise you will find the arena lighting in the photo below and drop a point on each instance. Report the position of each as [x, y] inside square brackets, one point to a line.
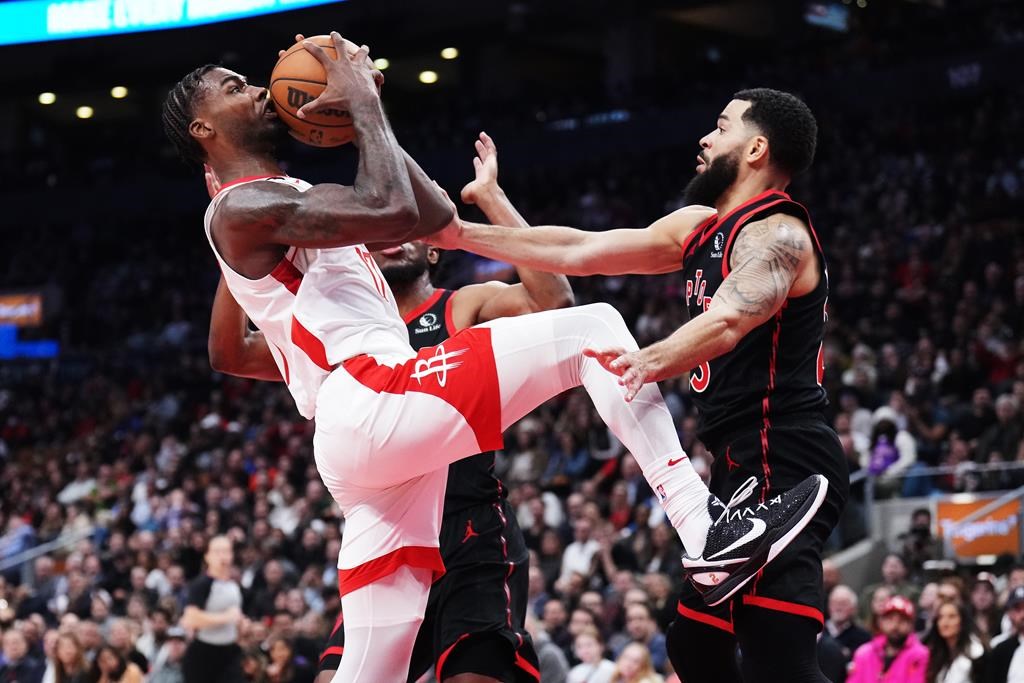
[47, 98]
[381, 63]
[84, 112]
[862, 3]
[119, 92]
[428, 77]
[32, 21]
[450, 53]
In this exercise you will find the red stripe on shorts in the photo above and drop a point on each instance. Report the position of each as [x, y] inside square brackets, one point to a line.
[459, 371]
[376, 569]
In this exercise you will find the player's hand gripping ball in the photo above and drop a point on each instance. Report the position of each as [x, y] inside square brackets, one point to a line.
[298, 79]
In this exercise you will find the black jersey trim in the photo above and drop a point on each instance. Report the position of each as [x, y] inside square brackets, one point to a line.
[423, 307]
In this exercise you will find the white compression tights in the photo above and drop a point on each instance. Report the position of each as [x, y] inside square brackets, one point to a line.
[381, 623]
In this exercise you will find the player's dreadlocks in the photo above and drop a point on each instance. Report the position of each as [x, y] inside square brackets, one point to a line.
[179, 110]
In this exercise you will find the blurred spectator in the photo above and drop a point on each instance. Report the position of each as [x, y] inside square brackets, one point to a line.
[18, 665]
[254, 665]
[111, 667]
[69, 663]
[634, 665]
[895, 655]
[579, 555]
[120, 638]
[1007, 657]
[926, 604]
[956, 653]
[554, 666]
[284, 665]
[842, 624]
[917, 544]
[593, 667]
[556, 624]
[151, 643]
[641, 628]
[983, 604]
[1004, 437]
[170, 667]
[892, 450]
[894, 577]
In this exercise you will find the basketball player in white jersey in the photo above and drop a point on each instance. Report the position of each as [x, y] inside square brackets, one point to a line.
[390, 420]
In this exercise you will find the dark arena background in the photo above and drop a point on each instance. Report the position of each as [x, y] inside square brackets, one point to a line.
[122, 453]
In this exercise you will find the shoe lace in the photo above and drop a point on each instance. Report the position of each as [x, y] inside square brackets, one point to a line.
[741, 494]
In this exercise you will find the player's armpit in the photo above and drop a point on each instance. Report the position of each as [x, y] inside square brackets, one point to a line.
[766, 259]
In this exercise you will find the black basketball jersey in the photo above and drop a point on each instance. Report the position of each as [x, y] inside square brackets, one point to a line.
[776, 370]
[471, 481]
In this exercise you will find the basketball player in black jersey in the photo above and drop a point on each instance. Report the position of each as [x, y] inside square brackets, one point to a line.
[756, 288]
[474, 627]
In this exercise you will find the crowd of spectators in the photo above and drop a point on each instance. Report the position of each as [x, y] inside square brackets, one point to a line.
[131, 442]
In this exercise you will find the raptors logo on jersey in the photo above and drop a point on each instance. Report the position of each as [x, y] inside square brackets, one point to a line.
[774, 369]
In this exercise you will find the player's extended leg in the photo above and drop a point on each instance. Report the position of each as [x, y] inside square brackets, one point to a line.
[541, 355]
[454, 400]
[381, 623]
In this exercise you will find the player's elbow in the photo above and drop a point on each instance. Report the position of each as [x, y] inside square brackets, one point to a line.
[221, 360]
[564, 299]
[394, 214]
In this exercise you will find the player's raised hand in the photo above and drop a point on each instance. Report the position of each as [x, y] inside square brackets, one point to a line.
[212, 181]
[485, 164]
[350, 78]
[630, 367]
[378, 75]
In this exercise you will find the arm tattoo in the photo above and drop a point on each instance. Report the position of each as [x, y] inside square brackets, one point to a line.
[765, 262]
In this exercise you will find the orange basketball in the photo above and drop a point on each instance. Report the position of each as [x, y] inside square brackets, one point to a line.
[299, 78]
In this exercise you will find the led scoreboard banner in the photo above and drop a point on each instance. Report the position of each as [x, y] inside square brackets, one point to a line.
[33, 21]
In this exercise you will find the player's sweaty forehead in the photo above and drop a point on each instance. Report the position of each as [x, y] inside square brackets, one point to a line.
[217, 80]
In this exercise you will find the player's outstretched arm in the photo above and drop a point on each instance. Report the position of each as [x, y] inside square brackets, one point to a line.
[766, 259]
[234, 348]
[538, 290]
[651, 250]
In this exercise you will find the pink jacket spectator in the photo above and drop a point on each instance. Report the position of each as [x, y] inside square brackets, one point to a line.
[908, 667]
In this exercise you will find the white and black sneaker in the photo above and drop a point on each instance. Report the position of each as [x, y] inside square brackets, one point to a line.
[741, 541]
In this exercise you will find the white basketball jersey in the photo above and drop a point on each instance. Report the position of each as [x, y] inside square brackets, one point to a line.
[317, 308]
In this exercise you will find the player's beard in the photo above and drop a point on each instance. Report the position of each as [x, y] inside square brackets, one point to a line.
[708, 187]
[264, 138]
[403, 274]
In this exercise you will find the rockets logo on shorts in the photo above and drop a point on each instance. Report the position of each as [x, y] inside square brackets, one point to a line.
[437, 365]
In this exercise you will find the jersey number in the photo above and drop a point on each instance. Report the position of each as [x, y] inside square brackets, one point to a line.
[700, 377]
[371, 265]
